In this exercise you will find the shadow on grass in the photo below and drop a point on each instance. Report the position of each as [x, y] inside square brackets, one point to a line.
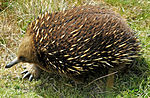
[131, 82]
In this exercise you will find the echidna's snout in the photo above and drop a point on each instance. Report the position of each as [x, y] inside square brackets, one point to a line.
[12, 63]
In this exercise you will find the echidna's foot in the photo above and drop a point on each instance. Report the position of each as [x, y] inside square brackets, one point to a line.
[31, 71]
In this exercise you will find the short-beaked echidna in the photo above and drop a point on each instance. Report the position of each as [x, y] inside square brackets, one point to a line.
[77, 41]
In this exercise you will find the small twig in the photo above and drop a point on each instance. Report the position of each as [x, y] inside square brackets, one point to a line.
[8, 50]
[101, 78]
[6, 8]
[44, 81]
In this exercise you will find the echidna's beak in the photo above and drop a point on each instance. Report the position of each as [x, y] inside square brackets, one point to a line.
[12, 63]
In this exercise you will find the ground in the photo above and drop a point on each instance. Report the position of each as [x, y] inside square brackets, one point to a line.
[16, 14]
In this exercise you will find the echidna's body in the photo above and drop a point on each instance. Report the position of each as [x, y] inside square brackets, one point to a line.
[79, 40]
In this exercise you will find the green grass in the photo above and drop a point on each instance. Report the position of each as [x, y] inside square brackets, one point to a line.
[14, 18]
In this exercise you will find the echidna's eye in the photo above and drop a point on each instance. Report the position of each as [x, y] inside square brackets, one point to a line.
[22, 58]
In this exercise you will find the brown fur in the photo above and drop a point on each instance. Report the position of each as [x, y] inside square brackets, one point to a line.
[27, 50]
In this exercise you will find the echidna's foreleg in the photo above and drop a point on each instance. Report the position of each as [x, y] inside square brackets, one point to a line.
[31, 71]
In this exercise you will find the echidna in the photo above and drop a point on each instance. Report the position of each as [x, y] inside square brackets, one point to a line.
[76, 41]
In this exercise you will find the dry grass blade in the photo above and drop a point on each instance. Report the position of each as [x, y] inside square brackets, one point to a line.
[101, 78]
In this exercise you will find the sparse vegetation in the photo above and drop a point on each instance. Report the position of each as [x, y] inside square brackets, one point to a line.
[14, 18]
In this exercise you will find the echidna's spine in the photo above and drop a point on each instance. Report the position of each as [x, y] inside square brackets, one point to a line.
[83, 39]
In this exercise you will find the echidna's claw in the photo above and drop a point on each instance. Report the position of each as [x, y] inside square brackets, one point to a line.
[24, 67]
[31, 77]
[27, 74]
[25, 71]
[31, 72]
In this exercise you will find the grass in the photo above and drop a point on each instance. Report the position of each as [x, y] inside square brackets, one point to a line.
[14, 18]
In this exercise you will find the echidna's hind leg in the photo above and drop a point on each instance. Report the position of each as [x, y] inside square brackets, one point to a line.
[111, 77]
[110, 80]
[31, 71]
